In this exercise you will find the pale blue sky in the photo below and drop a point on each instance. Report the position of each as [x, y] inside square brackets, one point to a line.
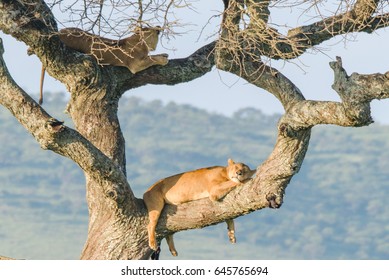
[225, 93]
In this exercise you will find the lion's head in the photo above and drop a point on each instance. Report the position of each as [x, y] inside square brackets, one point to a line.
[238, 172]
[149, 35]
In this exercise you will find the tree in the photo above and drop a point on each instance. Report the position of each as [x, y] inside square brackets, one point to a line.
[117, 219]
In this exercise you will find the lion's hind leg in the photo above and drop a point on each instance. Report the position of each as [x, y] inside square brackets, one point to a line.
[231, 230]
[154, 204]
[170, 243]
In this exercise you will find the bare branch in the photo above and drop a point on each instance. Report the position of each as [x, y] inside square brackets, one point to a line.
[120, 17]
[247, 35]
[358, 19]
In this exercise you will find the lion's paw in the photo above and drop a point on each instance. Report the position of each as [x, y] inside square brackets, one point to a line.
[153, 245]
[231, 236]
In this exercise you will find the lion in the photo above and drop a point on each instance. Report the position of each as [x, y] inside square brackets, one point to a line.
[213, 182]
[131, 52]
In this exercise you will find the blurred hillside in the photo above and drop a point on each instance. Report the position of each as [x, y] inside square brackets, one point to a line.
[335, 208]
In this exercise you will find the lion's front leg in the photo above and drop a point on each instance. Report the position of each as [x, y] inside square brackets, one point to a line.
[219, 191]
[160, 59]
[146, 62]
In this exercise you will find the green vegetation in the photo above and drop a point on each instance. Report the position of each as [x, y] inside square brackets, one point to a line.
[335, 208]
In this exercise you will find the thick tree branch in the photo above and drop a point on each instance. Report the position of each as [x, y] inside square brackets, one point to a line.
[176, 71]
[259, 12]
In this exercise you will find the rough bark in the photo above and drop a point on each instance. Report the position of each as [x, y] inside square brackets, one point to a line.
[117, 219]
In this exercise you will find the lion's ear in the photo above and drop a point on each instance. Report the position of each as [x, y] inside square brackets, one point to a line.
[230, 162]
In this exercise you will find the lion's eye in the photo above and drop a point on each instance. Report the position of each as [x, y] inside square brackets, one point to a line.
[239, 173]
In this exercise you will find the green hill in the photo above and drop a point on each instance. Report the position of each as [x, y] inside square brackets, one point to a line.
[335, 208]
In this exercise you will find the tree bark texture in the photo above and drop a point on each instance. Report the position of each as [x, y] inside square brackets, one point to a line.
[117, 219]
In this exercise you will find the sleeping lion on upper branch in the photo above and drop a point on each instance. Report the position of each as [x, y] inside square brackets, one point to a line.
[213, 182]
[131, 52]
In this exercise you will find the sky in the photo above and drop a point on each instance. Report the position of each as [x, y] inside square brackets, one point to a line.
[224, 93]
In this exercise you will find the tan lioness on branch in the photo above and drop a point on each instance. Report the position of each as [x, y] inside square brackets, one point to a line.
[131, 52]
[213, 182]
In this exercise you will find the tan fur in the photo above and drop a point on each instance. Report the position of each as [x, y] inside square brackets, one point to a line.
[213, 182]
[131, 52]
